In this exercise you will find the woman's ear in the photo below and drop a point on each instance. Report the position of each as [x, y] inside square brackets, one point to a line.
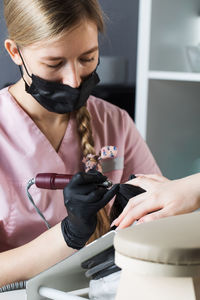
[13, 51]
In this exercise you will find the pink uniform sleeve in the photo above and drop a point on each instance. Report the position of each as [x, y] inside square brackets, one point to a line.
[137, 153]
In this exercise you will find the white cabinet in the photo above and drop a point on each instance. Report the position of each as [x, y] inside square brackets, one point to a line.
[167, 91]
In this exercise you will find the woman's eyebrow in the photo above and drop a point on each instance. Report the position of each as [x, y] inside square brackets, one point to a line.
[52, 57]
[60, 57]
[91, 50]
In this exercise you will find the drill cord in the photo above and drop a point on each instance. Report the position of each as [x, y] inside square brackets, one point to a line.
[29, 184]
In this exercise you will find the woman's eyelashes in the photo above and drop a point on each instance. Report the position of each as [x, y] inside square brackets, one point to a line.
[87, 60]
[55, 66]
[82, 60]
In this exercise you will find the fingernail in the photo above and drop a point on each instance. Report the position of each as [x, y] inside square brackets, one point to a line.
[139, 222]
[113, 224]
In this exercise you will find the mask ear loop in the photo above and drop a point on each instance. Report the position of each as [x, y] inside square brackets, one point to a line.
[20, 68]
[98, 62]
[96, 66]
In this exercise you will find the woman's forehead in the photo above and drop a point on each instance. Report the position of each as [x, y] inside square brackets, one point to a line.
[80, 39]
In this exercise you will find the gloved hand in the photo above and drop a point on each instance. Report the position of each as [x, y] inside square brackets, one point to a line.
[83, 198]
[124, 193]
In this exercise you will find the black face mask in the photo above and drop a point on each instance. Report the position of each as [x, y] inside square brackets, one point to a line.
[57, 97]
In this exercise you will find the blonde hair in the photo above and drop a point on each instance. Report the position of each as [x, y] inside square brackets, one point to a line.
[83, 120]
[32, 21]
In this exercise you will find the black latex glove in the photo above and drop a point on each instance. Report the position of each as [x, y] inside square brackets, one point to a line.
[124, 193]
[83, 198]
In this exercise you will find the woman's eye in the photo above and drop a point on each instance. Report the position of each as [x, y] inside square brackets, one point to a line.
[54, 66]
[87, 59]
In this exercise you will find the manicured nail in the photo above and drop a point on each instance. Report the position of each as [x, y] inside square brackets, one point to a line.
[139, 222]
[113, 223]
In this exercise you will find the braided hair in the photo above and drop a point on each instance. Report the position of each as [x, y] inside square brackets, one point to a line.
[83, 120]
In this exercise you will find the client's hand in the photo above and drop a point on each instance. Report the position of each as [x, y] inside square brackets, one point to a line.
[163, 198]
[83, 198]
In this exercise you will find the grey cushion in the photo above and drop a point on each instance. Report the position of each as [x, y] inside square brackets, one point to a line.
[173, 240]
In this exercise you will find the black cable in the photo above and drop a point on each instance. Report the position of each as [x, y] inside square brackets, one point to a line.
[29, 184]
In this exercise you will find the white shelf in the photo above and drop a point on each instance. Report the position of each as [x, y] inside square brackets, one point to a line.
[167, 92]
[174, 76]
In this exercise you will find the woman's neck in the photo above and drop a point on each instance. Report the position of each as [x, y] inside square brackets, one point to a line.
[32, 107]
[52, 125]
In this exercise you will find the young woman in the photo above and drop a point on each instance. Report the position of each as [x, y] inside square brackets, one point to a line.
[49, 123]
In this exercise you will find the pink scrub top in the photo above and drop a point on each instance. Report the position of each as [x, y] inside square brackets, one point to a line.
[25, 152]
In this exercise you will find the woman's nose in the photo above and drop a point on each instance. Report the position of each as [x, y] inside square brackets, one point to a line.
[71, 76]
